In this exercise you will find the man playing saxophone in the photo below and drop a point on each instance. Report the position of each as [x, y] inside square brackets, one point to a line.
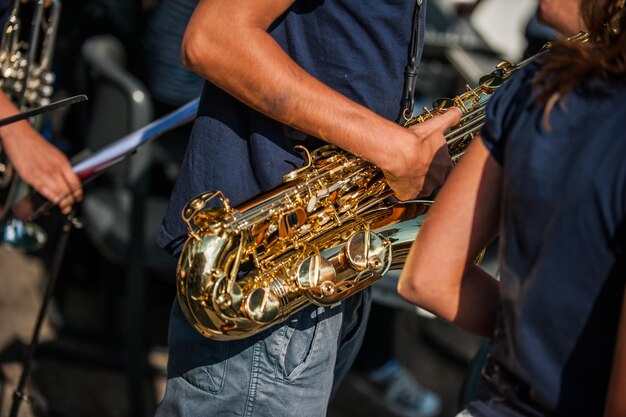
[279, 74]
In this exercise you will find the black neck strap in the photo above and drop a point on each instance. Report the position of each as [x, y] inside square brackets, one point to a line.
[412, 67]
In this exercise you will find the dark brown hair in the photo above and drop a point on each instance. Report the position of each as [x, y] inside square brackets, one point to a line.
[569, 63]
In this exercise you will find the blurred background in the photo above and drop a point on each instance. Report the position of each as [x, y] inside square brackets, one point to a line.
[103, 348]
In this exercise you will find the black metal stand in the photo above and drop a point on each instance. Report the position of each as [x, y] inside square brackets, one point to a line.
[19, 394]
[38, 110]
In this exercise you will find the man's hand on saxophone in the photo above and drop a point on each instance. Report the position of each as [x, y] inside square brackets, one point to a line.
[281, 89]
[425, 162]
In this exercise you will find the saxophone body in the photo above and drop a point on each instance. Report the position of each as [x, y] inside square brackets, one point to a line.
[330, 230]
[319, 238]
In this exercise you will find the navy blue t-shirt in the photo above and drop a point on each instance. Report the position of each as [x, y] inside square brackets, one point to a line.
[358, 47]
[562, 238]
[168, 80]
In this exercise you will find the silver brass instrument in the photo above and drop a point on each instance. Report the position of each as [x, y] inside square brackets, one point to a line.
[26, 78]
[26, 64]
[330, 230]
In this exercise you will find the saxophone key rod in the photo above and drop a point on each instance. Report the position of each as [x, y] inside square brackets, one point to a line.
[471, 127]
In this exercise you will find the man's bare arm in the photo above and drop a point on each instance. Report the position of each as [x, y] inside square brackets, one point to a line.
[227, 43]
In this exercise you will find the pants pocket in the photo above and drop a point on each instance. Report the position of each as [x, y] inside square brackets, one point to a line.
[296, 343]
[199, 361]
[208, 378]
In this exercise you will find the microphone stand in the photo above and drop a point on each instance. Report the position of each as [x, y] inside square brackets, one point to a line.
[19, 395]
[31, 206]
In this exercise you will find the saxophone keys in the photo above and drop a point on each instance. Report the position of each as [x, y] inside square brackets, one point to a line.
[196, 204]
[312, 203]
[226, 300]
[308, 162]
[327, 288]
[367, 251]
[289, 222]
[375, 264]
[504, 66]
[314, 273]
[262, 305]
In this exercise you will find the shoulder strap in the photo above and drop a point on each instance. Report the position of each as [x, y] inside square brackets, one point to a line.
[412, 67]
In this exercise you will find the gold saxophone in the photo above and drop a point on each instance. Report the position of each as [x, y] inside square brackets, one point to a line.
[330, 230]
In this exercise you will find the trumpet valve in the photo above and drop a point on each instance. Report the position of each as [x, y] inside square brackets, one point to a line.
[48, 77]
[45, 90]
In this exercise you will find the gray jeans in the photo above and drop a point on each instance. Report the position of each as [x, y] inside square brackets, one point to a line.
[291, 369]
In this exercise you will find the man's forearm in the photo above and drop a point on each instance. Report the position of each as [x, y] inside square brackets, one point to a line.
[246, 62]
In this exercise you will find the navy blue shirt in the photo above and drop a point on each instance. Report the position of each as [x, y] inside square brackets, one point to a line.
[358, 47]
[562, 237]
[168, 80]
